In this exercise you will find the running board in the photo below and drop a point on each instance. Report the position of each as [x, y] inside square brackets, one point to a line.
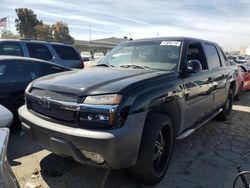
[190, 131]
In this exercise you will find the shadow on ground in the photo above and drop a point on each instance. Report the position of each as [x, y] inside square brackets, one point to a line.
[72, 174]
[20, 144]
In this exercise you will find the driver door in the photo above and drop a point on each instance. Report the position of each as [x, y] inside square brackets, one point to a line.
[198, 86]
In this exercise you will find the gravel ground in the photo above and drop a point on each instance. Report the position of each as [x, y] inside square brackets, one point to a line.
[208, 158]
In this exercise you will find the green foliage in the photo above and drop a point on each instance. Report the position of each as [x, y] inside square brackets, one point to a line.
[44, 32]
[26, 23]
[30, 27]
[61, 33]
[9, 35]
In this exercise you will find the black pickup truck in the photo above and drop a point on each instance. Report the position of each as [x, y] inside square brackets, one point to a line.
[128, 110]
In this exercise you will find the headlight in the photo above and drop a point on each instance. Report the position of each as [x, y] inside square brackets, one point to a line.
[113, 99]
[99, 109]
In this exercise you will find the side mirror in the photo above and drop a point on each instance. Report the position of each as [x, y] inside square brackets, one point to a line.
[194, 66]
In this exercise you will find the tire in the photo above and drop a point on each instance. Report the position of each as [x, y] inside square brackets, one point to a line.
[227, 107]
[155, 150]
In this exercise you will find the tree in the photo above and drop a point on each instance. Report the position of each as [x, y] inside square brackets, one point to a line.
[26, 23]
[61, 33]
[44, 32]
[9, 35]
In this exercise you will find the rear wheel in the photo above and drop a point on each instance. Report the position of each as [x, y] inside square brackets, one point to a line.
[155, 151]
[227, 107]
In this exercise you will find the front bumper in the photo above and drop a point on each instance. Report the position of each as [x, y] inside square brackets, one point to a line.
[118, 147]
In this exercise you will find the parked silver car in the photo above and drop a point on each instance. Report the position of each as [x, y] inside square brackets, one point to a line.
[6, 117]
[7, 178]
[58, 53]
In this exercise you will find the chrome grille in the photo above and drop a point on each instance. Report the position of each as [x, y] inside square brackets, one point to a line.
[53, 111]
[54, 95]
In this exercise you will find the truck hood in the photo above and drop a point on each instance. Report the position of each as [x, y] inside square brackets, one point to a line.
[95, 81]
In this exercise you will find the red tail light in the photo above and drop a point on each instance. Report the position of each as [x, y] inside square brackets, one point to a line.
[82, 64]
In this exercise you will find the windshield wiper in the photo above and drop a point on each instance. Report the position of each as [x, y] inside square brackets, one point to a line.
[135, 66]
[104, 65]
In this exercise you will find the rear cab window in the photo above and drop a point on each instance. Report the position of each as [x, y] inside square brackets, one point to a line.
[47, 69]
[15, 71]
[212, 56]
[11, 48]
[66, 52]
[39, 51]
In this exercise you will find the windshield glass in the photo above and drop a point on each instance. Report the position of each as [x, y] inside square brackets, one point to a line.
[162, 55]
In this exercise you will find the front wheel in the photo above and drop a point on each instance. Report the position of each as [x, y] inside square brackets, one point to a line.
[155, 150]
[227, 107]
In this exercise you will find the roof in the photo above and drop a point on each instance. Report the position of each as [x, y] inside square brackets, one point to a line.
[34, 41]
[10, 57]
[167, 38]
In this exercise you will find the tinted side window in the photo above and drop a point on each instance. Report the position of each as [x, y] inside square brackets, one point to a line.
[39, 51]
[18, 71]
[47, 69]
[11, 48]
[212, 56]
[195, 52]
[2, 69]
[66, 52]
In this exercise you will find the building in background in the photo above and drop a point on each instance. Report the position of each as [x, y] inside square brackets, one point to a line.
[100, 45]
[248, 50]
[245, 50]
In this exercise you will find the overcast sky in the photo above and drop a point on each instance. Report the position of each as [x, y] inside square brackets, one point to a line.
[224, 21]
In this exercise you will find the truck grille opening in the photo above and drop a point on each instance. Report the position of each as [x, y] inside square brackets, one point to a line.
[52, 112]
[52, 109]
[68, 97]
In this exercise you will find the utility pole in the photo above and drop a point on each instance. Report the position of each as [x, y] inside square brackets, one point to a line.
[89, 37]
[9, 23]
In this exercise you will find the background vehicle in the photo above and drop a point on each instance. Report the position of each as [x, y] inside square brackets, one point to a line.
[98, 55]
[246, 76]
[86, 56]
[130, 108]
[16, 73]
[239, 82]
[7, 178]
[58, 53]
[91, 63]
[241, 59]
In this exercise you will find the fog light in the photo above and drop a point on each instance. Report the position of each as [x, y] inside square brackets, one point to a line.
[95, 157]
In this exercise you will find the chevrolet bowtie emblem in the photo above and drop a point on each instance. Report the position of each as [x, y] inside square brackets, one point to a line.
[44, 102]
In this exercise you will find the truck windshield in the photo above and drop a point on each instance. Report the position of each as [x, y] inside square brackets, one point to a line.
[162, 55]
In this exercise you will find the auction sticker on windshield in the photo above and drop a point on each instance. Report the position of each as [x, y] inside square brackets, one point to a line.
[170, 43]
